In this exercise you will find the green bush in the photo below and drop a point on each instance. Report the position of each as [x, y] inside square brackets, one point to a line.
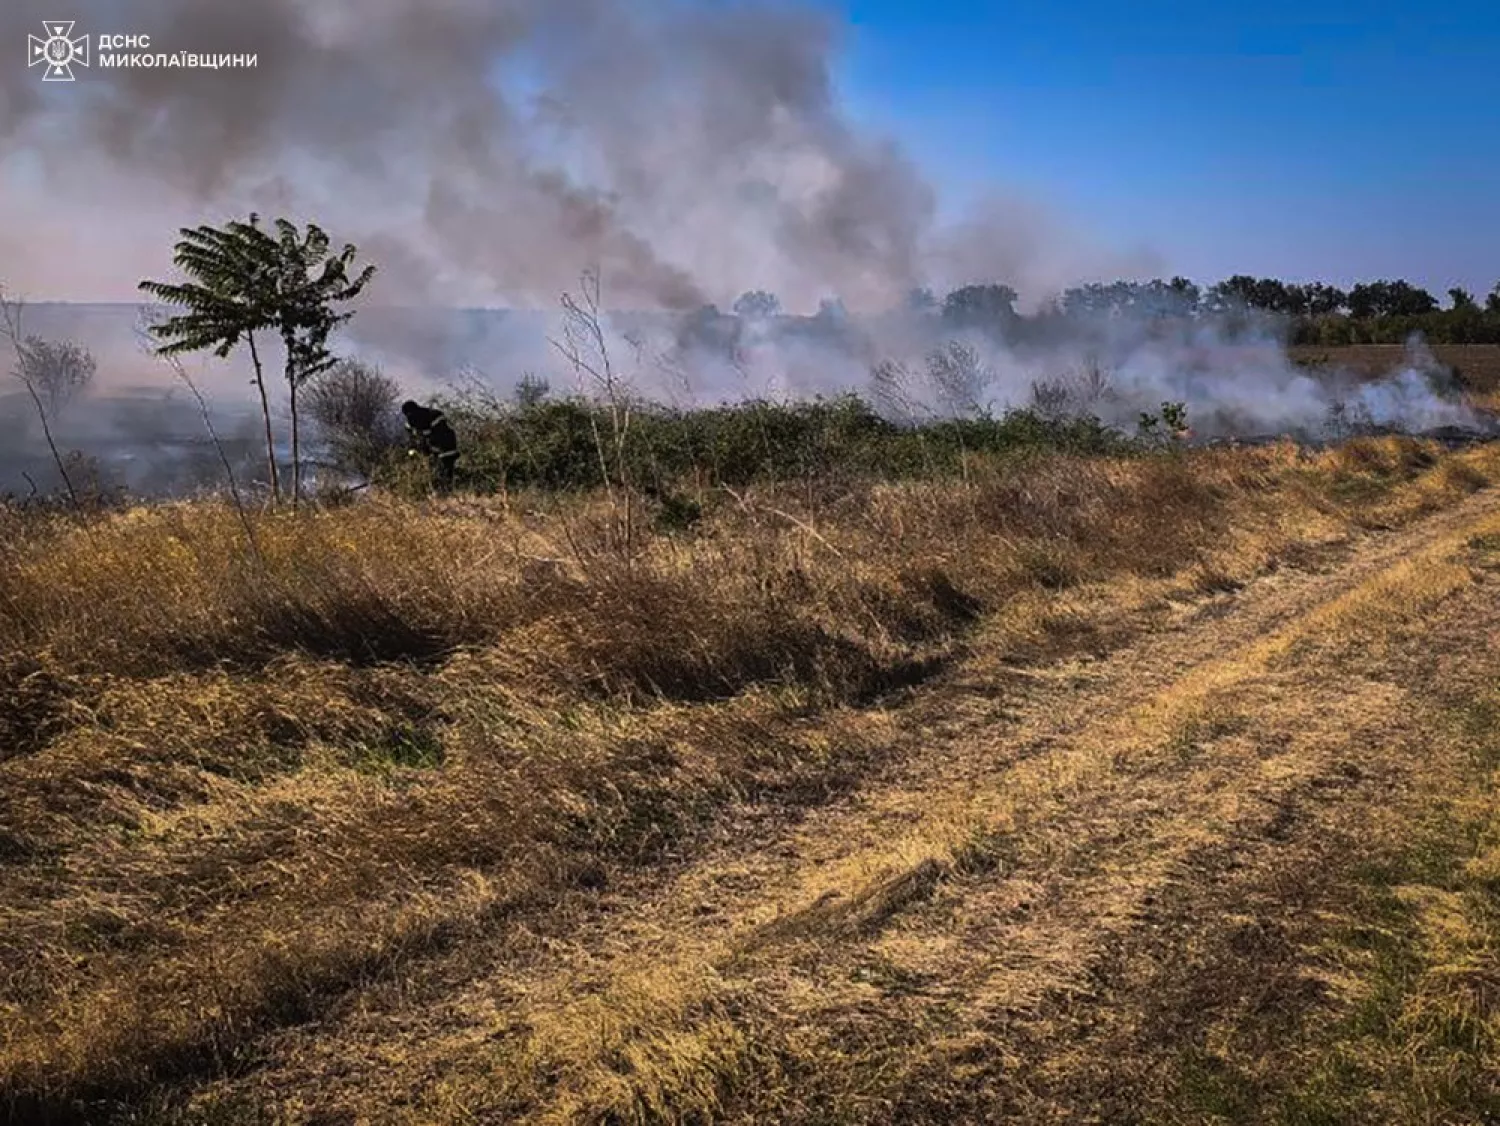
[566, 444]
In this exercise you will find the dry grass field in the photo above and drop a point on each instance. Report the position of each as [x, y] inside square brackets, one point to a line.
[1153, 789]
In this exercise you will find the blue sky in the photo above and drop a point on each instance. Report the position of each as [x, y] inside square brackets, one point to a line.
[1328, 139]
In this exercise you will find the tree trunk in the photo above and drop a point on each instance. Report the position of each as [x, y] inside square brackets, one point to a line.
[265, 413]
[296, 443]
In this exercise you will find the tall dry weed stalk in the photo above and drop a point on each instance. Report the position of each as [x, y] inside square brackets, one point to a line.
[585, 348]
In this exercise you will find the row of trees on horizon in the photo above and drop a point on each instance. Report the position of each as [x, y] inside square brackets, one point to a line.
[1379, 312]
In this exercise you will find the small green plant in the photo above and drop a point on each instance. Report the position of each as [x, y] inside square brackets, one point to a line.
[405, 745]
[1174, 415]
[1168, 426]
[678, 513]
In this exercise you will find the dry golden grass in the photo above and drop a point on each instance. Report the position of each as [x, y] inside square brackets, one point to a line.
[847, 1022]
[242, 777]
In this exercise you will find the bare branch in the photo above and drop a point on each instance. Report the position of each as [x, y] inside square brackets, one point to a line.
[234, 490]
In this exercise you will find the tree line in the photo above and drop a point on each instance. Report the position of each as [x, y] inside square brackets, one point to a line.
[1378, 312]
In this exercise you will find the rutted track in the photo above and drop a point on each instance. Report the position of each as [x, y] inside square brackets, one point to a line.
[993, 928]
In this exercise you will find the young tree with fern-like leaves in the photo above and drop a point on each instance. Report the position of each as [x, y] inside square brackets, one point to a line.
[245, 281]
[226, 301]
[310, 282]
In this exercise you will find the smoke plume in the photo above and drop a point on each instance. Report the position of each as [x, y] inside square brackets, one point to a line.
[490, 150]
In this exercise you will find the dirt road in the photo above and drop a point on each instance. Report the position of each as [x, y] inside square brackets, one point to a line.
[1099, 890]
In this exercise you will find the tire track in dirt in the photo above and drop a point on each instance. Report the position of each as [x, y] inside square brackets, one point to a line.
[1188, 935]
[967, 901]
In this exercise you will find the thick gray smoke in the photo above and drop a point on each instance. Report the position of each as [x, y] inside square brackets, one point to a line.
[488, 152]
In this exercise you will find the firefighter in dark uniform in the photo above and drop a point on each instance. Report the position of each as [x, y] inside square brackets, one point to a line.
[431, 435]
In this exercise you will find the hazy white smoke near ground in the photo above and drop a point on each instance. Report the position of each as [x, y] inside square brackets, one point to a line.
[152, 437]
